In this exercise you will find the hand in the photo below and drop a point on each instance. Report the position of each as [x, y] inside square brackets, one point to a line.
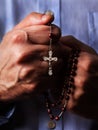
[84, 97]
[22, 69]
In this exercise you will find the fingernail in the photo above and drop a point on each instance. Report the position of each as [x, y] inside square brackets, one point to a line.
[49, 14]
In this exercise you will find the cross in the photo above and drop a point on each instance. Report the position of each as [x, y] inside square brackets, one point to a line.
[50, 59]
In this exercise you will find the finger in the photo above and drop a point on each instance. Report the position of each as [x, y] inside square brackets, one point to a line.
[74, 43]
[33, 71]
[35, 19]
[31, 53]
[40, 34]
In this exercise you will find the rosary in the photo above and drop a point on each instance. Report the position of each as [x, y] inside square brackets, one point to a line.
[67, 87]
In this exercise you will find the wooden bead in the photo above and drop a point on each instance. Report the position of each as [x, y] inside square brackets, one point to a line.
[53, 105]
[57, 118]
[63, 109]
[51, 116]
[50, 35]
[68, 91]
[67, 97]
[49, 111]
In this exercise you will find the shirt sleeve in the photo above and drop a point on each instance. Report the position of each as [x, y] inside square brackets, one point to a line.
[6, 114]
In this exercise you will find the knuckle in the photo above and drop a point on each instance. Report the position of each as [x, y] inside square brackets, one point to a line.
[84, 61]
[79, 82]
[18, 54]
[27, 88]
[18, 36]
[31, 17]
[70, 37]
[26, 73]
[31, 14]
[30, 87]
[78, 94]
[70, 105]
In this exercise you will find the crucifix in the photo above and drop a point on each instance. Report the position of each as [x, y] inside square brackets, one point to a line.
[50, 59]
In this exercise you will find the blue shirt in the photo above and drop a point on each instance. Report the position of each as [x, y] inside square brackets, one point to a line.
[75, 17]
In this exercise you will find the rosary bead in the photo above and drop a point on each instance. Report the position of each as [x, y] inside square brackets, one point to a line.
[49, 111]
[57, 118]
[59, 102]
[47, 104]
[63, 109]
[70, 84]
[75, 61]
[68, 91]
[61, 98]
[53, 105]
[74, 67]
[71, 79]
[50, 35]
[51, 116]
[67, 97]
[73, 73]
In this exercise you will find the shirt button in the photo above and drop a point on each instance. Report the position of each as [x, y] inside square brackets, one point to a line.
[51, 125]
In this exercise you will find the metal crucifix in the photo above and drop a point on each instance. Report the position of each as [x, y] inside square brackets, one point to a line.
[50, 59]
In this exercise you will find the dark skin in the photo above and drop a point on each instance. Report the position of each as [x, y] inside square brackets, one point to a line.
[23, 71]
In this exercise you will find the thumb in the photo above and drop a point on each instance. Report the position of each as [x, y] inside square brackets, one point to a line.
[35, 18]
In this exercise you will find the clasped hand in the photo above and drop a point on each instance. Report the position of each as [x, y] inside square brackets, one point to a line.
[23, 70]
